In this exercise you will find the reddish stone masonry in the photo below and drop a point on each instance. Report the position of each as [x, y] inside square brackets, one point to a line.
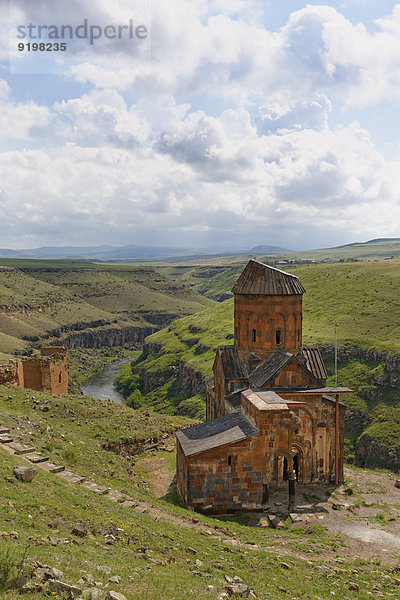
[46, 373]
[270, 417]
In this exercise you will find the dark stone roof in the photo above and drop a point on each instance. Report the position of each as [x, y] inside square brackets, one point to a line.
[232, 365]
[252, 357]
[211, 434]
[258, 278]
[234, 399]
[308, 391]
[269, 368]
[315, 363]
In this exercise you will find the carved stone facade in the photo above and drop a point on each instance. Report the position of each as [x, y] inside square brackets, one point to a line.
[270, 417]
[46, 373]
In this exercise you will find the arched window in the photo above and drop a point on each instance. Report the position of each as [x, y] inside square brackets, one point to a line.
[278, 337]
[254, 335]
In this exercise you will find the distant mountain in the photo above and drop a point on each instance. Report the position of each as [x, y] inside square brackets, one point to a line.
[383, 240]
[102, 253]
[5, 253]
[135, 253]
[375, 241]
[268, 250]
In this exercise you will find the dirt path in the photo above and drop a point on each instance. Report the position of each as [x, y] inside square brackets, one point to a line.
[160, 477]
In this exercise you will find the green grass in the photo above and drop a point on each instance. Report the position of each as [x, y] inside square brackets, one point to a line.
[154, 556]
[373, 411]
[363, 297]
[40, 297]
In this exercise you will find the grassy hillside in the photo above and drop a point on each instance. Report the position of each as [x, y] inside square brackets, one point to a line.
[158, 550]
[39, 297]
[385, 248]
[364, 298]
[380, 248]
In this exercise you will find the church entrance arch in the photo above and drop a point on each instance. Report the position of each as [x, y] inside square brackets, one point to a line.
[298, 462]
[277, 466]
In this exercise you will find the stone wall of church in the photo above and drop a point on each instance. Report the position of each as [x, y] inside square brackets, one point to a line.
[264, 324]
[222, 480]
[298, 442]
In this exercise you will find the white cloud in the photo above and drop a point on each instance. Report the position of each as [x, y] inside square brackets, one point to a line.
[281, 118]
[102, 118]
[200, 46]
[22, 121]
[121, 170]
[122, 178]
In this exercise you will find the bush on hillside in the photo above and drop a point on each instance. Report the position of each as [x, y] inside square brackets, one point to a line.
[11, 565]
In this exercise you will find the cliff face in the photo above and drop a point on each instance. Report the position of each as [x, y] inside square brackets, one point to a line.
[372, 454]
[346, 353]
[106, 338]
[190, 379]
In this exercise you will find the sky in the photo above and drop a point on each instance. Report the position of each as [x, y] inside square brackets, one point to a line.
[218, 124]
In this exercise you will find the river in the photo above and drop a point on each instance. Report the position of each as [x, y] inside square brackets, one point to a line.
[101, 384]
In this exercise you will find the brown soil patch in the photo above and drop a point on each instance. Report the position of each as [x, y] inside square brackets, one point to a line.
[160, 477]
[355, 522]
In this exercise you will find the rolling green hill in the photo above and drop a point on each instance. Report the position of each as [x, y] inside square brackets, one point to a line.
[43, 301]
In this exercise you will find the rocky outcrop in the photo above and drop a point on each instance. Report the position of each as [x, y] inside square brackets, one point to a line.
[159, 319]
[81, 326]
[150, 380]
[132, 447]
[356, 420]
[27, 309]
[345, 353]
[150, 347]
[106, 338]
[370, 453]
[191, 380]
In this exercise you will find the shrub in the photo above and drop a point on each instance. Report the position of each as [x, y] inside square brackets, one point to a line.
[69, 456]
[11, 565]
[135, 399]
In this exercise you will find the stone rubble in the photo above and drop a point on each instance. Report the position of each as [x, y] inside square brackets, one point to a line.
[24, 473]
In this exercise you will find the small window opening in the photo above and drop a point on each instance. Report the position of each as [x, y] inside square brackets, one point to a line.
[278, 336]
[59, 378]
[229, 461]
[298, 335]
[254, 335]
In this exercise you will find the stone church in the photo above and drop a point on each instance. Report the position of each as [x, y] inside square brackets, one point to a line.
[270, 416]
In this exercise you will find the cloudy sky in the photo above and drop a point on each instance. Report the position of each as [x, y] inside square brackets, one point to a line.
[233, 123]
